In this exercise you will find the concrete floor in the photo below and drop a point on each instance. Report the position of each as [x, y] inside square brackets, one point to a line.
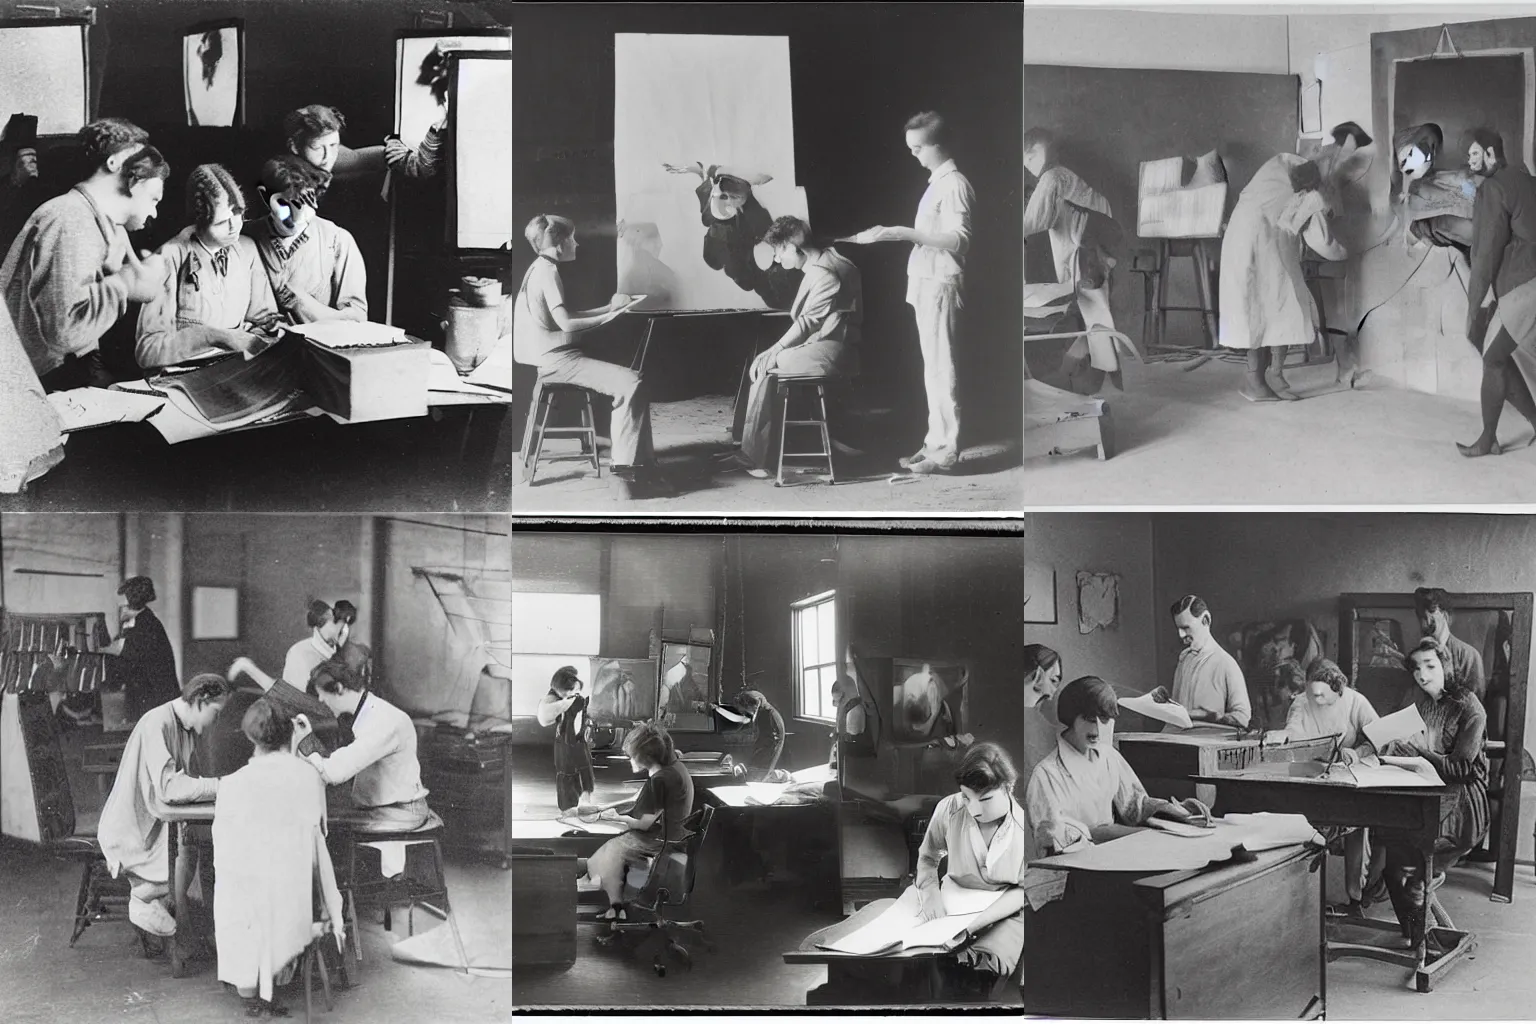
[1188, 438]
[688, 434]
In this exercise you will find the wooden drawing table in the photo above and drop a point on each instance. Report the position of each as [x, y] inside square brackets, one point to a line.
[1413, 811]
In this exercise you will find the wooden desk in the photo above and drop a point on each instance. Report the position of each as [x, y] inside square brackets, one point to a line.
[1179, 756]
[181, 817]
[1233, 941]
[543, 910]
[898, 980]
[546, 834]
[1413, 811]
[808, 833]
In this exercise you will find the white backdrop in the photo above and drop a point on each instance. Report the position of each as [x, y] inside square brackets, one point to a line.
[42, 72]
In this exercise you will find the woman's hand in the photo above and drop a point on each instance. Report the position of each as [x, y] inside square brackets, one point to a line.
[764, 363]
[930, 904]
[1177, 812]
[619, 302]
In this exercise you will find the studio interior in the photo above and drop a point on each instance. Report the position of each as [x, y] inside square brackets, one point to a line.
[157, 848]
[1312, 614]
[810, 102]
[820, 692]
[1195, 324]
[376, 336]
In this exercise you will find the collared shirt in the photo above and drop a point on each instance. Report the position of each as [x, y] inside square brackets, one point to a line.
[381, 759]
[1064, 205]
[1210, 679]
[1346, 717]
[206, 294]
[323, 262]
[303, 658]
[973, 862]
[1070, 794]
[945, 208]
[1503, 234]
[59, 279]
[829, 305]
[536, 337]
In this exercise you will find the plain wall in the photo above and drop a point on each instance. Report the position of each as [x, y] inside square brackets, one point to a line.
[1121, 38]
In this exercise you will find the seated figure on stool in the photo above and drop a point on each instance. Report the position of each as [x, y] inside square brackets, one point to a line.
[544, 335]
[822, 339]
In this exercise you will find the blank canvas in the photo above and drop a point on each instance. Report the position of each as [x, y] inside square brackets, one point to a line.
[215, 613]
[416, 110]
[483, 152]
[42, 72]
[681, 99]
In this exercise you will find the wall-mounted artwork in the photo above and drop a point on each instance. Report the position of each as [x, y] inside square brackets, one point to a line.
[215, 613]
[929, 699]
[685, 675]
[213, 73]
[622, 690]
[1098, 601]
[43, 71]
[1039, 594]
[703, 161]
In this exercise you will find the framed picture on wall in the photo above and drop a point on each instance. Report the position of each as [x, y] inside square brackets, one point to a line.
[684, 673]
[213, 73]
[622, 690]
[215, 613]
[929, 699]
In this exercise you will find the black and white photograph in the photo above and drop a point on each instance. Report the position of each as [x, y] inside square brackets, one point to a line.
[782, 832]
[1274, 255]
[256, 766]
[1316, 728]
[769, 259]
[256, 257]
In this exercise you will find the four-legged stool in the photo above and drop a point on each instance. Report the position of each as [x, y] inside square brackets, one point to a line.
[545, 395]
[809, 386]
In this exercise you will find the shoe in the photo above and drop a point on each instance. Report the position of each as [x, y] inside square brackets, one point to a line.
[908, 461]
[936, 464]
[151, 916]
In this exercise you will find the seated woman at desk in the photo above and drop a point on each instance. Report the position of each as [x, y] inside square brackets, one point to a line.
[658, 813]
[216, 294]
[380, 761]
[981, 829]
[1085, 792]
[1331, 707]
[1455, 728]
[269, 845]
[154, 772]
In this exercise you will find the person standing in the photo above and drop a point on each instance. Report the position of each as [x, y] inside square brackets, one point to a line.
[1433, 607]
[1208, 681]
[146, 664]
[941, 238]
[321, 644]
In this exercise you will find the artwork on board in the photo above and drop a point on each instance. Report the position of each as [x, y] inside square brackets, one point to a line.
[421, 76]
[1098, 601]
[928, 699]
[1039, 594]
[704, 160]
[213, 74]
[684, 683]
[623, 690]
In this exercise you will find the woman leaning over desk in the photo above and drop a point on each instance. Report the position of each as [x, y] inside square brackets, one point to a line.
[1455, 727]
[981, 829]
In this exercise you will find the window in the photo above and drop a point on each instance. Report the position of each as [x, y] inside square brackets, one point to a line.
[815, 640]
[548, 632]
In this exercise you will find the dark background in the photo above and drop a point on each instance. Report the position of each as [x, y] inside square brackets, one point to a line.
[858, 71]
[1460, 95]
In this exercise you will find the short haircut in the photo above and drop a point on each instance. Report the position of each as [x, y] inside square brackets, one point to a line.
[565, 679]
[1039, 656]
[1305, 177]
[549, 231]
[139, 590]
[206, 185]
[1427, 138]
[345, 611]
[1191, 603]
[147, 163]
[1290, 677]
[1325, 671]
[788, 231]
[205, 688]
[305, 125]
[1350, 130]
[433, 73]
[1086, 697]
[985, 767]
[1431, 599]
[318, 614]
[1453, 685]
[333, 677]
[751, 701]
[932, 124]
[295, 177]
[266, 725]
[650, 744]
[1042, 139]
[105, 136]
[358, 660]
[1489, 139]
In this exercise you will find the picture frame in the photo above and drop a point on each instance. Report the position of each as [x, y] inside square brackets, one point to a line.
[62, 103]
[930, 699]
[480, 222]
[621, 690]
[213, 73]
[685, 676]
[215, 613]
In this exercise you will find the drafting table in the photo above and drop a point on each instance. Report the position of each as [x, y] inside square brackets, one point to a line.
[543, 909]
[809, 834]
[546, 833]
[1414, 811]
[897, 979]
[1234, 940]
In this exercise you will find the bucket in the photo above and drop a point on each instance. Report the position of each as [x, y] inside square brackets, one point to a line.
[472, 330]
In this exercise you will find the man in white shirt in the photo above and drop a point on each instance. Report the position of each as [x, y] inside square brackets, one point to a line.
[380, 761]
[325, 635]
[940, 237]
[1208, 681]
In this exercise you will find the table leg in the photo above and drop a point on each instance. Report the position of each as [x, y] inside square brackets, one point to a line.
[176, 856]
[638, 363]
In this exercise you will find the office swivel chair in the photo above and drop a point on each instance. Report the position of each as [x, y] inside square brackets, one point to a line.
[667, 884]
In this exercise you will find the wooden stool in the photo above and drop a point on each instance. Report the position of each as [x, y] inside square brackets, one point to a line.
[100, 894]
[786, 391]
[401, 889]
[1155, 264]
[545, 394]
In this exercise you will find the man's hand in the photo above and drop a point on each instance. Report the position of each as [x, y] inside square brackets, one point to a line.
[143, 275]
[693, 168]
[930, 906]
[243, 341]
[395, 152]
[1161, 696]
[239, 667]
[764, 363]
[303, 307]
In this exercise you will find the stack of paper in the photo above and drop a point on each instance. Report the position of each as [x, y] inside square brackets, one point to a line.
[350, 333]
[901, 926]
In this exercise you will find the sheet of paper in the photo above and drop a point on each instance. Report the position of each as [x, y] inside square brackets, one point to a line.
[766, 792]
[900, 927]
[1170, 713]
[732, 796]
[1388, 776]
[1180, 828]
[939, 932]
[1397, 726]
[496, 370]
[350, 333]
[815, 773]
[554, 828]
[96, 407]
[1155, 850]
[444, 379]
[960, 901]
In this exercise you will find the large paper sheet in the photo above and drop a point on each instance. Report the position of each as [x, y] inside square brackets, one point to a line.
[98, 407]
[716, 101]
[901, 927]
[483, 153]
[1168, 712]
[1156, 850]
[1399, 725]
